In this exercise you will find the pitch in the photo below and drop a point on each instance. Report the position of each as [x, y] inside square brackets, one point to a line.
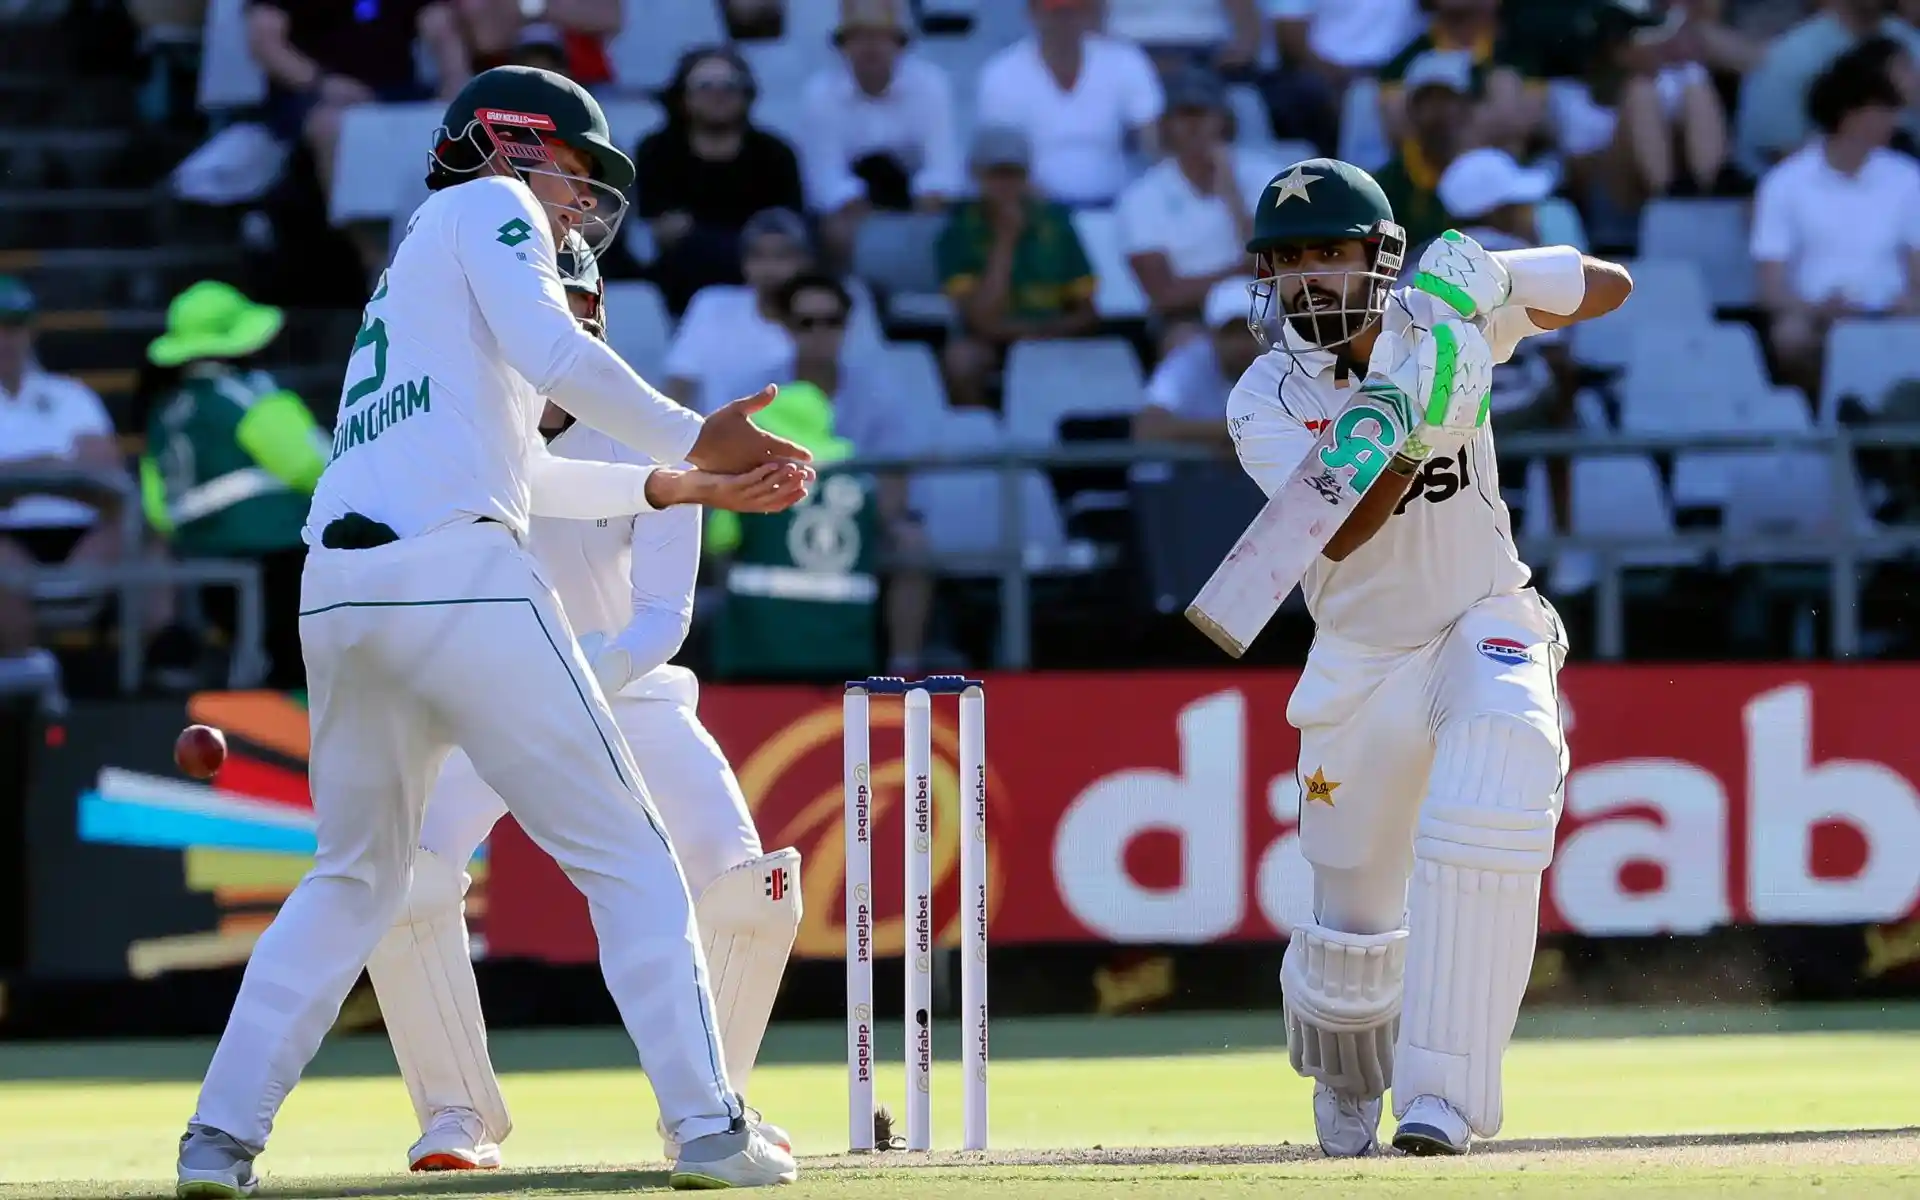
[1660, 1104]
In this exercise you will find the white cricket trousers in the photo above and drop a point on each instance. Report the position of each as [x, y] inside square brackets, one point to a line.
[455, 638]
[688, 778]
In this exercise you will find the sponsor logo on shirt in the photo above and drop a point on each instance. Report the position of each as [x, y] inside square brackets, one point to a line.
[1505, 651]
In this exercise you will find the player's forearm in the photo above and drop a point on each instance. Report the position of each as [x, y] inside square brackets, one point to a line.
[653, 637]
[1371, 514]
[586, 491]
[595, 385]
[1559, 286]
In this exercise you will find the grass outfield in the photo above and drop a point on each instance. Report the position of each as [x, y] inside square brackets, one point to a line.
[1158, 1106]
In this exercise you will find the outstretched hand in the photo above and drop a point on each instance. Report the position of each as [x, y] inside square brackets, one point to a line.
[731, 444]
[774, 487]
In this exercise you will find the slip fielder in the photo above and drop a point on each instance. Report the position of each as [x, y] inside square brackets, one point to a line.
[626, 584]
[1431, 750]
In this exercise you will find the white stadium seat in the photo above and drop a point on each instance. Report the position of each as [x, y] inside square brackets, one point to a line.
[962, 508]
[638, 327]
[654, 36]
[1363, 138]
[1667, 294]
[1117, 295]
[1252, 126]
[229, 78]
[914, 378]
[1709, 233]
[381, 145]
[1682, 380]
[1619, 496]
[1864, 359]
[1047, 381]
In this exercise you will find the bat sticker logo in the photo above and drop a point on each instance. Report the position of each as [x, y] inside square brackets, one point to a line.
[1327, 486]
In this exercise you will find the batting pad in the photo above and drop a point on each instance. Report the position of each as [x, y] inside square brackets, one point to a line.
[1342, 994]
[748, 918]
[1485, 836]
[422, 973]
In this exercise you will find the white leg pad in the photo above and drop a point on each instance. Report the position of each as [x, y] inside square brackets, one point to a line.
[1484, 839]
[422, 973]
[1342, 993]
[748, 918]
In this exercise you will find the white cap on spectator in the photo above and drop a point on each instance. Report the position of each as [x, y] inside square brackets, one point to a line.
[1226, 302]
[1480, 181]
[1450, 69]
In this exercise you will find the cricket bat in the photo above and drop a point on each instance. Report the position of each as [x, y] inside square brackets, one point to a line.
[1272, 556]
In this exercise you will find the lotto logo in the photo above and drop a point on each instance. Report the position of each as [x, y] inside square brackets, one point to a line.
[777, 885]
[1504, 650]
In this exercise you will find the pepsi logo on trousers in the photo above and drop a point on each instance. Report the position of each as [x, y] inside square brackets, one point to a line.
[1504, 650]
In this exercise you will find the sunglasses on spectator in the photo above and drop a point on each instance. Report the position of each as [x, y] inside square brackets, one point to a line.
[811, 321]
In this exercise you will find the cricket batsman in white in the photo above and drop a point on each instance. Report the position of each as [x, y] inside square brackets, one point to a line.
[427, 625]
[1431, 749]
[626, 585]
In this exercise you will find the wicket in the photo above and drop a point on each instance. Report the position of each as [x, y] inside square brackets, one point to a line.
[917, 907]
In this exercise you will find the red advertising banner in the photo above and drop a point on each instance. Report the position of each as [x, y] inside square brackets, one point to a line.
[1161, 807]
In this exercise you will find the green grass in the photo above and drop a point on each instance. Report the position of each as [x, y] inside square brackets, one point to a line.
[110, 1113]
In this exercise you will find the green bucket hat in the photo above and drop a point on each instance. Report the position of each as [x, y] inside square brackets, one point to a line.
[213, 320]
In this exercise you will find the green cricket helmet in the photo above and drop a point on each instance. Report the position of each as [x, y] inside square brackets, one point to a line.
[1315, 203]
[514, 116]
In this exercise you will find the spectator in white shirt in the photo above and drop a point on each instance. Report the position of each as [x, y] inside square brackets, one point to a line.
[1187, 396]
[1836, 225]
[1324, 46]
[1185, 223]
[48, 423]
[1175, 33]
[879, 129]
[1773, 119]
[1079, 96]
[732, 334]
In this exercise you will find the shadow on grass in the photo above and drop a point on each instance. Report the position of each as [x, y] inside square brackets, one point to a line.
[587, 1180]
[1014, 1040]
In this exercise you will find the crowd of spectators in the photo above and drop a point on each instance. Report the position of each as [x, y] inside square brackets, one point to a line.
[1503, 117]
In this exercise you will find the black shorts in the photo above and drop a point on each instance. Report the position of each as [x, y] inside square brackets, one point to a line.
[48, 545]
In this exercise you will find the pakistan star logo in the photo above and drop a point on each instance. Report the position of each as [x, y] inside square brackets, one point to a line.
[1320, 788]
[1294, 183]
[514, 232]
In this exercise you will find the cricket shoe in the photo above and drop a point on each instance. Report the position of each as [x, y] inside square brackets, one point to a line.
[776, 1136]
[213, 1166]
[1432, 1126]
[742, 1157]
[455, 1140]
[1348, 1125]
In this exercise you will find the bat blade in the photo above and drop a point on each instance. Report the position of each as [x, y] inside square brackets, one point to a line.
[1272, 556]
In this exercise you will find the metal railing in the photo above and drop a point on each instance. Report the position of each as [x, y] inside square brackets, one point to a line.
[1843, 545]
[130, 578]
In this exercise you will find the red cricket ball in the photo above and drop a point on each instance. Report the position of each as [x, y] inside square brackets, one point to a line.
[200, 750]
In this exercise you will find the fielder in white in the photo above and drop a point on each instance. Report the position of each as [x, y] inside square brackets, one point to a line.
[626, 584]
[427, 625]
[1431, 750]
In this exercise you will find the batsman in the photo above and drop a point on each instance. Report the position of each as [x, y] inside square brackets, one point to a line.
[1431, 749]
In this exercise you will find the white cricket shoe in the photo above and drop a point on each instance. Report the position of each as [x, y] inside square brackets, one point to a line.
[213, 1166]
[1432, 1126]
[776, 1136]
[742, 1157]
[1348, 1125]
[456, 1140]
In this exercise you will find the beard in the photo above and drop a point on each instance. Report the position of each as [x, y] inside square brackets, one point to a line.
[1323, 319]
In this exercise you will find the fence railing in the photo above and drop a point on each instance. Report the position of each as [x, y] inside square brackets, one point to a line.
[130, 578]
[1842, 543]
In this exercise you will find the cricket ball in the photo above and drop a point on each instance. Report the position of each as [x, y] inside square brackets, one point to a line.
[200, 750]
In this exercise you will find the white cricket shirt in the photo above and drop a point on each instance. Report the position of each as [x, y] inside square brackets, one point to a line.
[1079, 137]
[1448, 545]
[629, 579]
[1844, 235]
[464, 335]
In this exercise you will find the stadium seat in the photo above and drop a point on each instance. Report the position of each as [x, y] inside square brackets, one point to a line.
[1252, 126]
[1049, 380]
[1705, 478]
[780, 71]
[1363, 138]
[629, 120]
[1668, 294]
[1682, 380]
[229, 78]
[1117, 295]
[645, 51]
[378, 143]
[914, 377]
[638, 327]
[1619, 496]
[1709, 233]
[962, 508]
[1864, 359]
[1558, 223]
[895, 253]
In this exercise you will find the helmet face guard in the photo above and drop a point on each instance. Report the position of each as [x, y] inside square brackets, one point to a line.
[519, 140]
[1320, 322]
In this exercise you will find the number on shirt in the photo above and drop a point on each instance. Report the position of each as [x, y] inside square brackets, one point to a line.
[373, 332]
